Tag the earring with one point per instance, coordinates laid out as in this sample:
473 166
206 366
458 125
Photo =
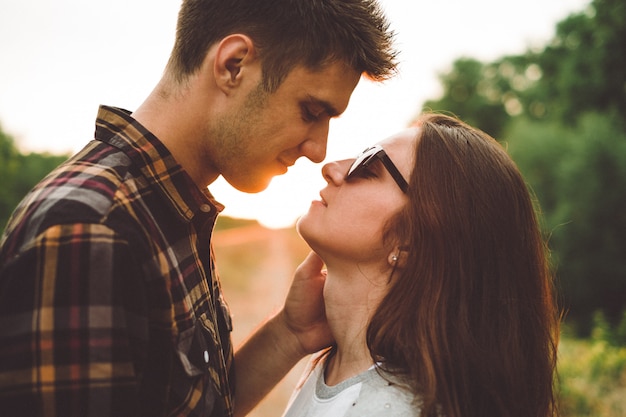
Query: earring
394 258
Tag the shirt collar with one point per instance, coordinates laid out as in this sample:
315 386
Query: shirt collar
118 128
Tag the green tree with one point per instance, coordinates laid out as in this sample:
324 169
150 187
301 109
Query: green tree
472 93
19 173
579 175
9 162
561 110
582 69
584 66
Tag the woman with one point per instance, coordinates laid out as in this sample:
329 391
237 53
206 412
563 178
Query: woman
438 289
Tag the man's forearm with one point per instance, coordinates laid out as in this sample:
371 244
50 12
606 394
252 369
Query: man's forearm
262 361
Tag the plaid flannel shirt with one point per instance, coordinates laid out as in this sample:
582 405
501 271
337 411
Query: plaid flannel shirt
109 300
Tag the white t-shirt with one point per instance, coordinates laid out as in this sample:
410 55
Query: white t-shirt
366 394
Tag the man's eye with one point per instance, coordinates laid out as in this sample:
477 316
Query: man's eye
309 116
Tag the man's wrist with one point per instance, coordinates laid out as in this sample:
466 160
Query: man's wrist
285 338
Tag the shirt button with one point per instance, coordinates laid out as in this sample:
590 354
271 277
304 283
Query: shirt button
206 356
205 208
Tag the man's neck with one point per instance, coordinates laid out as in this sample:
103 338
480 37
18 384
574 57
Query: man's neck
169 114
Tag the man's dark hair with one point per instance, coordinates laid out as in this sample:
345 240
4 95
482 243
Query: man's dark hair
288 33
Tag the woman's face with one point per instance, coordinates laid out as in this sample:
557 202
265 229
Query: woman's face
349 221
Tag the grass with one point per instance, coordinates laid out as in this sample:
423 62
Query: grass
592 373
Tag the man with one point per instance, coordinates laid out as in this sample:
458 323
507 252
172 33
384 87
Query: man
109 302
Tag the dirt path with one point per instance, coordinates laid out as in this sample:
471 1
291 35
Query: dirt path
256 266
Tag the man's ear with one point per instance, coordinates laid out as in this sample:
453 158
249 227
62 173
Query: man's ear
232 55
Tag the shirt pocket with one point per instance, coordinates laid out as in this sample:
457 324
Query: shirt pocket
194 349
199 366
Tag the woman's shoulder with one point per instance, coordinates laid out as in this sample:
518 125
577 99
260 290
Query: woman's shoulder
383 394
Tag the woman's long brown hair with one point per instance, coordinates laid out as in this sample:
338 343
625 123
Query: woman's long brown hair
471 319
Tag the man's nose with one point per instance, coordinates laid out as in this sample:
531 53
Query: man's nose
314 147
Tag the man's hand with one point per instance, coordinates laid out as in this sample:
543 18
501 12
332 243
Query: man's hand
304 313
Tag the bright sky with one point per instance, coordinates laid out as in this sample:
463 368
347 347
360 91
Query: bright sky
63 58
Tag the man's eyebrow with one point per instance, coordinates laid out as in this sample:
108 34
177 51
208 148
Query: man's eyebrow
329 109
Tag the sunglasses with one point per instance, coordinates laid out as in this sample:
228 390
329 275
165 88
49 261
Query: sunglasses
372 154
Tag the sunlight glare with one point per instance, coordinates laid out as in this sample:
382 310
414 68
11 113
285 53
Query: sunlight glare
281 204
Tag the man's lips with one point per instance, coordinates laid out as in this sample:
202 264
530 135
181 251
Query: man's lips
287 163
323 200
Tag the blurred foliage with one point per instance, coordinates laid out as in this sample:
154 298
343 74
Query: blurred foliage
579 176
19 173
592 373
227 223
560 111
474 94
582 69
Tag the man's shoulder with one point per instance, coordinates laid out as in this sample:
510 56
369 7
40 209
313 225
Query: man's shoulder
89 182
84 189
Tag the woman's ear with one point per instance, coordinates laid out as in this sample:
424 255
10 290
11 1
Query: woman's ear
398 257
234 53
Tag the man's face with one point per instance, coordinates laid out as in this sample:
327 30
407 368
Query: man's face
270 131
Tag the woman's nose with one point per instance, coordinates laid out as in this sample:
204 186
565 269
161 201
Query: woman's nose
335 172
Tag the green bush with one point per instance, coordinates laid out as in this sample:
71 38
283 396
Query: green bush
578 174
19 173
592 372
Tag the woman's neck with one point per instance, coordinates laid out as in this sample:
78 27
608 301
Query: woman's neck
344 364
351 299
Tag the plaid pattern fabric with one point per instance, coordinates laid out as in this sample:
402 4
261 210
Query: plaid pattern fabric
109 300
